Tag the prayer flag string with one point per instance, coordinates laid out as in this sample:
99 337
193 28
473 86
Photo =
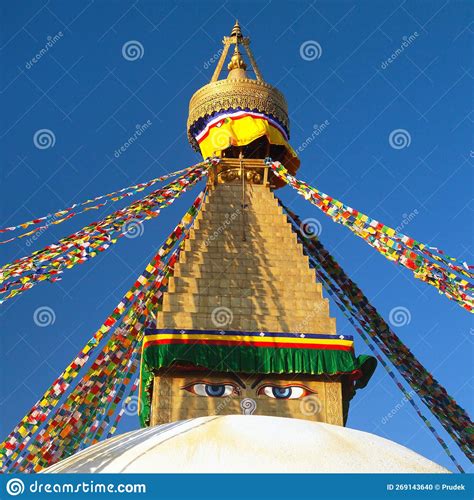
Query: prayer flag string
451 416
50 262
67 213
83 414
428 264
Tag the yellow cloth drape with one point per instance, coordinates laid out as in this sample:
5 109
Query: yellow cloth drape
240 132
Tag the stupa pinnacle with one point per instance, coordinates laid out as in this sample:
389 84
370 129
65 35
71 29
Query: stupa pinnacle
227 322
233 322
243 318
239 115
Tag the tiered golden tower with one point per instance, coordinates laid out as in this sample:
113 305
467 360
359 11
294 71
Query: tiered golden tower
244 327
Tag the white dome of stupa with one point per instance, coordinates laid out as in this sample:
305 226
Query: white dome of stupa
243 443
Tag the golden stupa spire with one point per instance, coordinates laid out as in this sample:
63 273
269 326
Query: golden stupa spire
238 89
237 67
236 30
237 64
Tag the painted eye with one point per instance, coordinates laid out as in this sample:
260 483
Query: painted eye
283 392
212 390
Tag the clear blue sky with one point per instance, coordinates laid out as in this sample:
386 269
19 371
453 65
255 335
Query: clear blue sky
92 98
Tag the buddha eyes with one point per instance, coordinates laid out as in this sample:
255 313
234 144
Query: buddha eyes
228 389
283 392
213 390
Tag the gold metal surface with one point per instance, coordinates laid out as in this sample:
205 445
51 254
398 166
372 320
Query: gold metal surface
237 61
237 90
172 402
230 169
264 282
239 93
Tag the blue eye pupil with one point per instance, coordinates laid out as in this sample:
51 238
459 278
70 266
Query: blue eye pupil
281 392
215 391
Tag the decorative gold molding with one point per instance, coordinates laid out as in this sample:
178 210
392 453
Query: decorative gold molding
334 403
230 170
237 91
231 94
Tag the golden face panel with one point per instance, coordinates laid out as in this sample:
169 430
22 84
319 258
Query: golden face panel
189 394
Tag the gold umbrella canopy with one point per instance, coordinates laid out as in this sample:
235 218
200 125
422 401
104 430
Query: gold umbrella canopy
240 111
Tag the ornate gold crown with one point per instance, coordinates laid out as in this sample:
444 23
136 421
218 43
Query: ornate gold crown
237 91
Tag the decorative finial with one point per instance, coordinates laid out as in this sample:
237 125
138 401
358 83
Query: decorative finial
236 90
237 61
236 30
